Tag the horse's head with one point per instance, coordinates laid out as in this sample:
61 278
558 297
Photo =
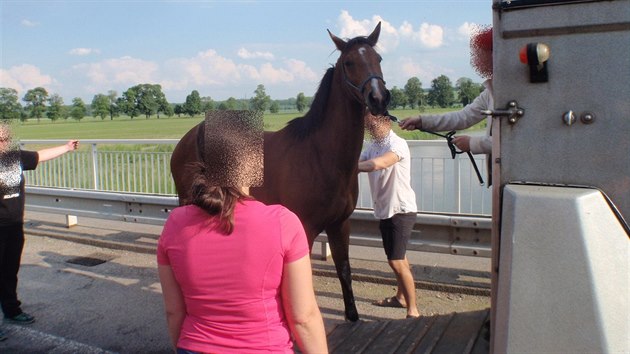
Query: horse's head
360 65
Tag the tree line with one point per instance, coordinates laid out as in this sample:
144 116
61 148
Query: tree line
148 100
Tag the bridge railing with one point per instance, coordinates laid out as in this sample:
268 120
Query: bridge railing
441 184
455 234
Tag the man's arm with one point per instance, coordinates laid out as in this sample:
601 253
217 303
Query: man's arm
379 163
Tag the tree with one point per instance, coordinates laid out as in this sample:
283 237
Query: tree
36 101
78 110
148 100
125 104
399 98
207 104
167 109
113 107
413 91
467 90
100 106
300 102
144 99
243 104
441 93
231 104
192 106
261 100
163 105
10 108
274 107
179 109
56 109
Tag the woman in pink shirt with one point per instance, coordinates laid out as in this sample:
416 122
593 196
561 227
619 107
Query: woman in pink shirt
235 273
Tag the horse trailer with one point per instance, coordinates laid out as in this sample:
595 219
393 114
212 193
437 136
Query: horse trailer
561 176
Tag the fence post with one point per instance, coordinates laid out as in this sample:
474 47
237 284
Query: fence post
458 183
95 166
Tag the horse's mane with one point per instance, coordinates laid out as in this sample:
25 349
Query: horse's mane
302 127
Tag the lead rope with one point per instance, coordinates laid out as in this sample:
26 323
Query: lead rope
449 140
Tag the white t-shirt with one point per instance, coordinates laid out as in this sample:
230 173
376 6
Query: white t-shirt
391 187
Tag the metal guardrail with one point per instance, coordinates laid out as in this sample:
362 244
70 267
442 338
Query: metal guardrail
441 184
439 233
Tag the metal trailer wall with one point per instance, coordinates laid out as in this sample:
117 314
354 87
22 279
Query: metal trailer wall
560 243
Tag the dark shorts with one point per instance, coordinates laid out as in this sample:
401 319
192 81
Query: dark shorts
395 232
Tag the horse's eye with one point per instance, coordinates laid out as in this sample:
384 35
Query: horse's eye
348 63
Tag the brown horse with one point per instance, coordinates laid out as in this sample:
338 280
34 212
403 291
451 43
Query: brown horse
311 164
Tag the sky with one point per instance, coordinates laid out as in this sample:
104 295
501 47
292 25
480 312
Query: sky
225 48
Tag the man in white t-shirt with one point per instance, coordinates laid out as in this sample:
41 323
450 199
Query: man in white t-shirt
388 162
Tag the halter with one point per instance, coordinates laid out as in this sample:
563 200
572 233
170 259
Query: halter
360 88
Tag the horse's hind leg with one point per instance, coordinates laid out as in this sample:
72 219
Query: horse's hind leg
339 240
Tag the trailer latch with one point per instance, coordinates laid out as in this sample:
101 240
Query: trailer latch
512 112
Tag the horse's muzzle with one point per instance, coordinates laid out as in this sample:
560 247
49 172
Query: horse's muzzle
378 99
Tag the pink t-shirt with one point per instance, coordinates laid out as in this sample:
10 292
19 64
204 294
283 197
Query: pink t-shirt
232 283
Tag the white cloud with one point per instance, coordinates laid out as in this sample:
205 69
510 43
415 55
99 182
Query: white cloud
246 54
350 28
466 29
117 73
300 70
83 51
406 29
209 69
429 36
28 23
24 77
269 74
398 72
292 71
206 68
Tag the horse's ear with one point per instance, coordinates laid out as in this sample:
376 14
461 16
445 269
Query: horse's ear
373 38
339 43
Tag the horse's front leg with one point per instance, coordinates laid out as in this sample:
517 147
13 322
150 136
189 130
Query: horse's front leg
339 240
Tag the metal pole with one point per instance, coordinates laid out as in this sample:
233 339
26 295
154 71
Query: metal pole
95 166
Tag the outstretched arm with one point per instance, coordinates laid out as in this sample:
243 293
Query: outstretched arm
379 163
411 123
51 153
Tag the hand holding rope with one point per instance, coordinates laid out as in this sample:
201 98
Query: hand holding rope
449 140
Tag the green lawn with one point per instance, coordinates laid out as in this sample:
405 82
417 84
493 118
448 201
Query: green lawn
163 128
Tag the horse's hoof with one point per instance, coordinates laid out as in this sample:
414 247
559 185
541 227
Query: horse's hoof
353 316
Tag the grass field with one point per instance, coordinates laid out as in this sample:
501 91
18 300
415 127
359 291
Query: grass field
163 128
137 168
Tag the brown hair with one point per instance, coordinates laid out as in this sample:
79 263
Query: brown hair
217 201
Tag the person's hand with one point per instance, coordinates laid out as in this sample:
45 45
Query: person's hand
411 123
462 142
72 145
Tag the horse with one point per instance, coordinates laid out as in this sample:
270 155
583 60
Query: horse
310 165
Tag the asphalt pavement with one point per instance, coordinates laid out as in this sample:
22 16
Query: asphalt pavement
93 288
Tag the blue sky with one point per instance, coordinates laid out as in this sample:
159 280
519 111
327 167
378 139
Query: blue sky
224 48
